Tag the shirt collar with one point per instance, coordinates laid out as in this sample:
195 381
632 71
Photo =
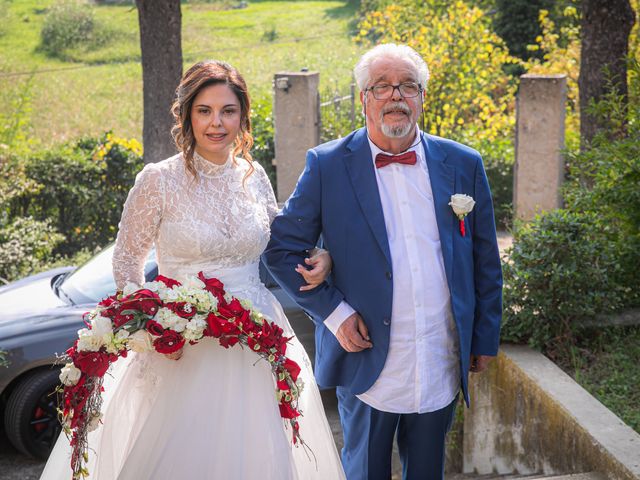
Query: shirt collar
416 146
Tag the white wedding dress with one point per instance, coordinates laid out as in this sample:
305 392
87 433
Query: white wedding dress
212 414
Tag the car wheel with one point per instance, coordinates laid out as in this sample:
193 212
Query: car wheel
31 417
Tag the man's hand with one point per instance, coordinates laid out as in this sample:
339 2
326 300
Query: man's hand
479 363
320 263
353 334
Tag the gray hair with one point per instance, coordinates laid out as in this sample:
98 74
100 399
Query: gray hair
361 70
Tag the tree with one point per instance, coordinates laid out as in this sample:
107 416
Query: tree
469 97
160 43
605 27
516 21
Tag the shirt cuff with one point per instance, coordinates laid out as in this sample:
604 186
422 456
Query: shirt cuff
339 315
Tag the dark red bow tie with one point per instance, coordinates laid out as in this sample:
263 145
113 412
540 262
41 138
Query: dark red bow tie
406 158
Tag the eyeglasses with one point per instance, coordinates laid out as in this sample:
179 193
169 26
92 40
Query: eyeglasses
385 91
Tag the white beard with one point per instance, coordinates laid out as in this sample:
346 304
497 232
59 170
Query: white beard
396 131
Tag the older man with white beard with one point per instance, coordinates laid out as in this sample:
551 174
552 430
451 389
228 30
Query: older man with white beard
415 296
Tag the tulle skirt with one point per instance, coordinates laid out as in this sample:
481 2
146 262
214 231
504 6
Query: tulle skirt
212 414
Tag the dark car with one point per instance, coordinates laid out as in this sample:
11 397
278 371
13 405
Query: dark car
39 319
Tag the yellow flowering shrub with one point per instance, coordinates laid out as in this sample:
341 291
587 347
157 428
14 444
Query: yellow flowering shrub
469 96
561 47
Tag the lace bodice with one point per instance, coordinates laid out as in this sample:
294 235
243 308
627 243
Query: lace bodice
210 222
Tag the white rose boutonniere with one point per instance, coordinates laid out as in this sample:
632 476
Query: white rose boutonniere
462 205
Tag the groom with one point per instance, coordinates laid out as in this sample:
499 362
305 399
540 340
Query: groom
414 300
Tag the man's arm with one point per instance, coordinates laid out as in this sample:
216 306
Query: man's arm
487 272
293 232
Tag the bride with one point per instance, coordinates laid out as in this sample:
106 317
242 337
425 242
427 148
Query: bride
205 412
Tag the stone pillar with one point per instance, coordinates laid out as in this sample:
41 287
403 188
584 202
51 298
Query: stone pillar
296 115
539 168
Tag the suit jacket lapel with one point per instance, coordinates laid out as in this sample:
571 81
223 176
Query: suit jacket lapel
442 177
361 171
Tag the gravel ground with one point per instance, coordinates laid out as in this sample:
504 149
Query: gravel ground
14 465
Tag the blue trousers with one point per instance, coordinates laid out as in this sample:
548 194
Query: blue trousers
368 440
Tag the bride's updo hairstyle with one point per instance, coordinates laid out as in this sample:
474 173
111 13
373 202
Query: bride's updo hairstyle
199 76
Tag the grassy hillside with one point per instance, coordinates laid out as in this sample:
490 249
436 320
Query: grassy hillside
90 90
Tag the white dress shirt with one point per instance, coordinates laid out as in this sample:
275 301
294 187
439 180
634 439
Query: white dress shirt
422 372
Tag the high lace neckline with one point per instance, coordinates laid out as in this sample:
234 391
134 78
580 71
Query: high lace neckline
209 169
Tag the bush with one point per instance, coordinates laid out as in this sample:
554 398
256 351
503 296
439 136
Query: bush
24 244
264 149
70 24
564 267
81 187
335 119
498 157
578 262
15 127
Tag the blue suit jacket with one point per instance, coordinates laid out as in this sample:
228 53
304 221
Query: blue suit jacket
337 197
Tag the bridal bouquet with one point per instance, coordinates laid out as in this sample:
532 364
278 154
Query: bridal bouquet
163 316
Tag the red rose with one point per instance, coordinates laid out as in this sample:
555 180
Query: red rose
144 301
213 285
271 336
293 368
214 326
228 340
71 351
119 319
283 385
169 342
154 328
178 309
287 411
94 364
231 309
253 344
107 302
169 282
248 325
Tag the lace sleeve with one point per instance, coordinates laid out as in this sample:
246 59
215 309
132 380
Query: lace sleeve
138 226
265 192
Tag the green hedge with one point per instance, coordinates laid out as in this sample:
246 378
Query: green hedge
61 201
572 264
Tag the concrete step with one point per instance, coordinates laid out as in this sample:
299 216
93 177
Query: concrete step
535 476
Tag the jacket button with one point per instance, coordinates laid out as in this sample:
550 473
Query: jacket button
387 321
388 275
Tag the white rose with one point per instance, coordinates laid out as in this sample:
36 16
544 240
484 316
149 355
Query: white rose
69 375
88 342
170 295
462 204
191 334
122 334
168 319
154 286
101 326
140 341
193 283
194 330
129 288
94 422
205 301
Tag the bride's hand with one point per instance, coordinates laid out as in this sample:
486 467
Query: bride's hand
175 355
320 263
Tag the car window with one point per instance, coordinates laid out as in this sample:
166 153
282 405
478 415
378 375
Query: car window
94 281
